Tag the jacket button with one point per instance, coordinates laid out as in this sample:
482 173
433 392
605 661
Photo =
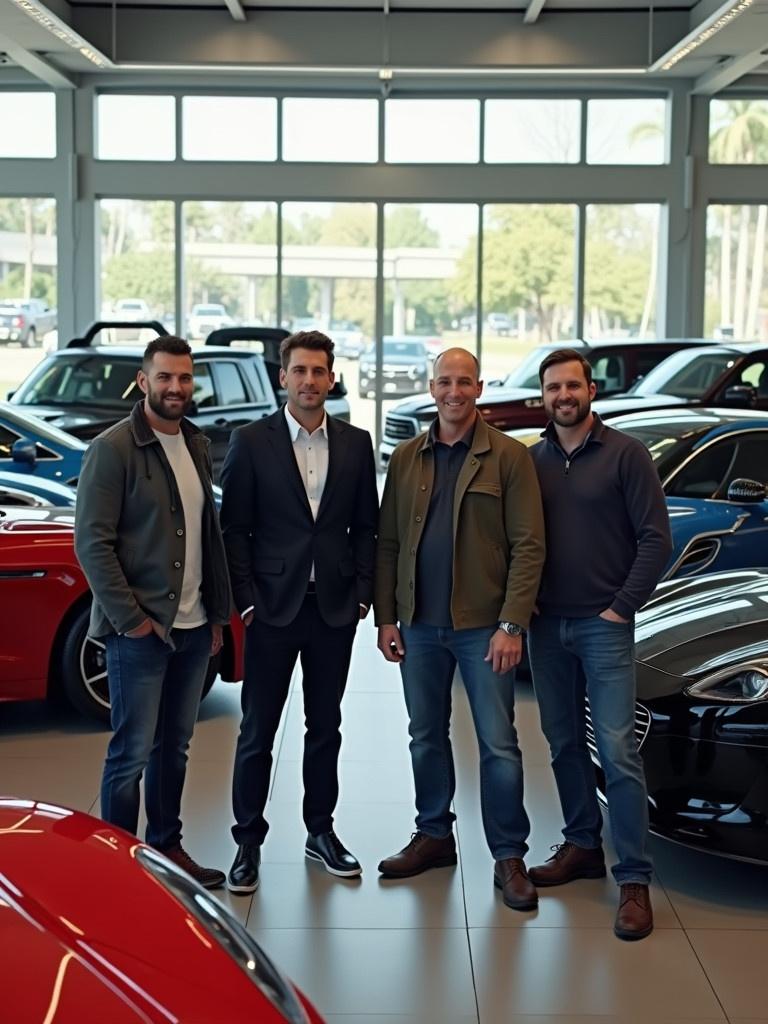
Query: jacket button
177 565
418 519
411 584
179 532
413 551
423 487
171 596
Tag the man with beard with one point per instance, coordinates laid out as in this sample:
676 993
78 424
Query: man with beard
148 539
608 541
299 516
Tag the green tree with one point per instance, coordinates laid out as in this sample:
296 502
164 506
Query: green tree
147 275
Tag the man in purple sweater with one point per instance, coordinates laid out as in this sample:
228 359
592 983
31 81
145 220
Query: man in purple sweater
608 541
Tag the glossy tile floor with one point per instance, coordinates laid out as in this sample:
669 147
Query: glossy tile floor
441 947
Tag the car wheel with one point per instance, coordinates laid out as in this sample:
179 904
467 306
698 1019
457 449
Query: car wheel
84 671
31 339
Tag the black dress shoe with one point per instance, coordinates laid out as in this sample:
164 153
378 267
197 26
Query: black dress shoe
243 876
330 851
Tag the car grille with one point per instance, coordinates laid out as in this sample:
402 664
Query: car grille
642 726
398 429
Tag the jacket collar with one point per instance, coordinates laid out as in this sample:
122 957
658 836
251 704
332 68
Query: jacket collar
480 442
144 434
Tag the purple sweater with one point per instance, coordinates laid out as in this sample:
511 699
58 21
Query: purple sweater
606 520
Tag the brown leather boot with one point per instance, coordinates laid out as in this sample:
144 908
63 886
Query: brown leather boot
569 862
422 853
517 890
634 918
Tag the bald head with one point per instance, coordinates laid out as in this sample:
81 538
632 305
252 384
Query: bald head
459 359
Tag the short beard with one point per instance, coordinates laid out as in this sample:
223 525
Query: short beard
583 412
156 405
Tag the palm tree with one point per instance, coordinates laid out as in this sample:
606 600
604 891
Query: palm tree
742 139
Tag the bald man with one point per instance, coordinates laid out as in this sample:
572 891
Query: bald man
459 558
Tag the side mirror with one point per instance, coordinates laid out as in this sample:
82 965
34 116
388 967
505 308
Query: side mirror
192 409
10 395
495 383
746 492
24 452
743 395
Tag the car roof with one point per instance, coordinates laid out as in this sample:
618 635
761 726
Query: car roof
137 351
698 417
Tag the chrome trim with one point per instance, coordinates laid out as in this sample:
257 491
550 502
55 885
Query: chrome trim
22 574
642 728
716 534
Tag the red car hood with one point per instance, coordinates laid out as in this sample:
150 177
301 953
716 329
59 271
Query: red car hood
84 924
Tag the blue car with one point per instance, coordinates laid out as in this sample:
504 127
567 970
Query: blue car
33 492
31 447
713 535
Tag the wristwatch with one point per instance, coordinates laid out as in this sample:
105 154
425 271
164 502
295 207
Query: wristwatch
511 628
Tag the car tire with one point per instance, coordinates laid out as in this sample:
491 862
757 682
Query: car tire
84 671
31 339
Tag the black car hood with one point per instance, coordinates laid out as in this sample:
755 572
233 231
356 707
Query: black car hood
65 417
694 626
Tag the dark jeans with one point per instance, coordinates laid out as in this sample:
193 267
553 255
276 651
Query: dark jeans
155 689
592 656
270 657
431 656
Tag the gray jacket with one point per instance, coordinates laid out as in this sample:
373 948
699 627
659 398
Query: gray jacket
129 529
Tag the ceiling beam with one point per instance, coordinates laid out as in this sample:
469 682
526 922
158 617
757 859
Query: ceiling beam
532 11
235 8
36 65
726 73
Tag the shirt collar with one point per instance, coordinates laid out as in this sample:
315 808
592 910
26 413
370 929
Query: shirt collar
595 434
295 427
466 438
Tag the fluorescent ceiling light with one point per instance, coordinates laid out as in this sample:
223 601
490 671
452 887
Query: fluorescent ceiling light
722 17
385 74
62 31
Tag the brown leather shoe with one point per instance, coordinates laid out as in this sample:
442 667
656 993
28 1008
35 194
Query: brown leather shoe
517 890
569 862
634 918
422 853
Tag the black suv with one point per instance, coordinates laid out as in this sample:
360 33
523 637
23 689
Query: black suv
405 367
515 401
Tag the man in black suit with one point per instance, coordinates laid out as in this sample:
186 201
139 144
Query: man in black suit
299 515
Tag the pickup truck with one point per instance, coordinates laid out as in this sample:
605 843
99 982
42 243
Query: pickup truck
85 387
25 321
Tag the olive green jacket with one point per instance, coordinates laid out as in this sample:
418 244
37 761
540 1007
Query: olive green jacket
498 532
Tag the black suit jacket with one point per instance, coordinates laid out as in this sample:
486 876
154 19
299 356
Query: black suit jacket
269 533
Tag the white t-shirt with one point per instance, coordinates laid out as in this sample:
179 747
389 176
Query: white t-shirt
191 612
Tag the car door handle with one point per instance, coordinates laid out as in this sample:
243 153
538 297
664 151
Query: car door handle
221 423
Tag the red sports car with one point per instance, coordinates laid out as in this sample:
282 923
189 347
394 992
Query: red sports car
96 926
44 608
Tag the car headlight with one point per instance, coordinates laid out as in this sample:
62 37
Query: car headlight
223 926
739 684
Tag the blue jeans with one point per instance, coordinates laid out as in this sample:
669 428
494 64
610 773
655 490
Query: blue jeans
592 656
155 689
431 656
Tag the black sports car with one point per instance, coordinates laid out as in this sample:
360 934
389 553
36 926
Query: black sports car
702 712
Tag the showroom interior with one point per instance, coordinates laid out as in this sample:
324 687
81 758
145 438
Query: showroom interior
493 174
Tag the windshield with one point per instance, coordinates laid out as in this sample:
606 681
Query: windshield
82 380
668 443
526 375
413 349
686 374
